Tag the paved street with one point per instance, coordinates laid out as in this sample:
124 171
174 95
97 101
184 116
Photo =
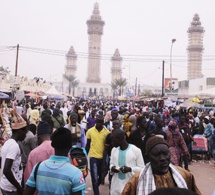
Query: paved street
204 173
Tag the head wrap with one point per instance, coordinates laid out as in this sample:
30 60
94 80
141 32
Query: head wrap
172 124
153 141
114 109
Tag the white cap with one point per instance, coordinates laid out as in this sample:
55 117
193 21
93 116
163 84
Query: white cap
207 117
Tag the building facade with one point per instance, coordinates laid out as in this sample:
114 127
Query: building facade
116 69
95 31
195 79
195 49
71 59
196 86
93 86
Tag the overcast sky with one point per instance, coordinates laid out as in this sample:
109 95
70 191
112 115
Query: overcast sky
142 30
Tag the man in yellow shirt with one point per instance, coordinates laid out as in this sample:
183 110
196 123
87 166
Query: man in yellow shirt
96 137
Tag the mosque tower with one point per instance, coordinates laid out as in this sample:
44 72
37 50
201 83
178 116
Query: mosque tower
95 30
116 70
71 59
195 48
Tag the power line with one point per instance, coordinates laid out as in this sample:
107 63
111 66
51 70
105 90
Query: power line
83 53
104 57
127 57
63 52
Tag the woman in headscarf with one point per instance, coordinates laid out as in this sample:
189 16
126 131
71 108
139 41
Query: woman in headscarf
127 124
177 145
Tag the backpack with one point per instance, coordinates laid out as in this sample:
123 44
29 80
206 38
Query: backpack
36 170
184 130
79 159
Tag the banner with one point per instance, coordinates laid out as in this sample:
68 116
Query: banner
171 88
14 81
20 95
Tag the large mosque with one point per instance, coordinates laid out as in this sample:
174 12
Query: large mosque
93 85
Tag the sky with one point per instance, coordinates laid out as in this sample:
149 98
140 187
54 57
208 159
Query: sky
142 30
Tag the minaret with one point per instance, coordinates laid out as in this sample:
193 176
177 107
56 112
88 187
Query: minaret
71 59
95 30
116 70
195 48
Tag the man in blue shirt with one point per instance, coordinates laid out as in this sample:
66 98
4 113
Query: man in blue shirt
57 175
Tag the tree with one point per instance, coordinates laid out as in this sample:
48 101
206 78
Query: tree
121 83
114 88
4 70
73 83
147 92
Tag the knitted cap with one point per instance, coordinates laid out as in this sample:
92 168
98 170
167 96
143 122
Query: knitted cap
43 128
18 122
73 114
207 117
153 141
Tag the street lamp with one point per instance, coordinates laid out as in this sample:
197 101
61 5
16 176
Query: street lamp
173 41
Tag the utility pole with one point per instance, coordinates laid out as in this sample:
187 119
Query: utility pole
138 92
15 84
173 41
17 57
135 92
129 73
163 78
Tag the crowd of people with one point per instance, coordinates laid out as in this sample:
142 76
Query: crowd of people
139 148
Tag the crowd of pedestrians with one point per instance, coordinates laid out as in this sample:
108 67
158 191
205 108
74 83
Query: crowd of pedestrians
139 147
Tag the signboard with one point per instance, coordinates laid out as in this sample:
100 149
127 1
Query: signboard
171 88
129 94
20 95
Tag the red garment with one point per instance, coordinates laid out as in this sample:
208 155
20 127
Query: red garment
177 146
40 153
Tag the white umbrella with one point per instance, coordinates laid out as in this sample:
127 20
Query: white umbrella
189 104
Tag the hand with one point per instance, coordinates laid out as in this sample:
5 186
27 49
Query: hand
104 168
125 169
115 169
20 190
188 156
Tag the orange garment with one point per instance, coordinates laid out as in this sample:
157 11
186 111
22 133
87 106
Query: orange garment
126 124
131 186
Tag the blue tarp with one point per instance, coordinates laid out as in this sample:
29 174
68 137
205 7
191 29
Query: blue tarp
55 97
4 96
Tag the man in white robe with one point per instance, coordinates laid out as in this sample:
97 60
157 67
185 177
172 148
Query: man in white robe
126 160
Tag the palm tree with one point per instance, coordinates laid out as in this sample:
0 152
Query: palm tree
147 92
4 70
121 82
73 83
114 88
